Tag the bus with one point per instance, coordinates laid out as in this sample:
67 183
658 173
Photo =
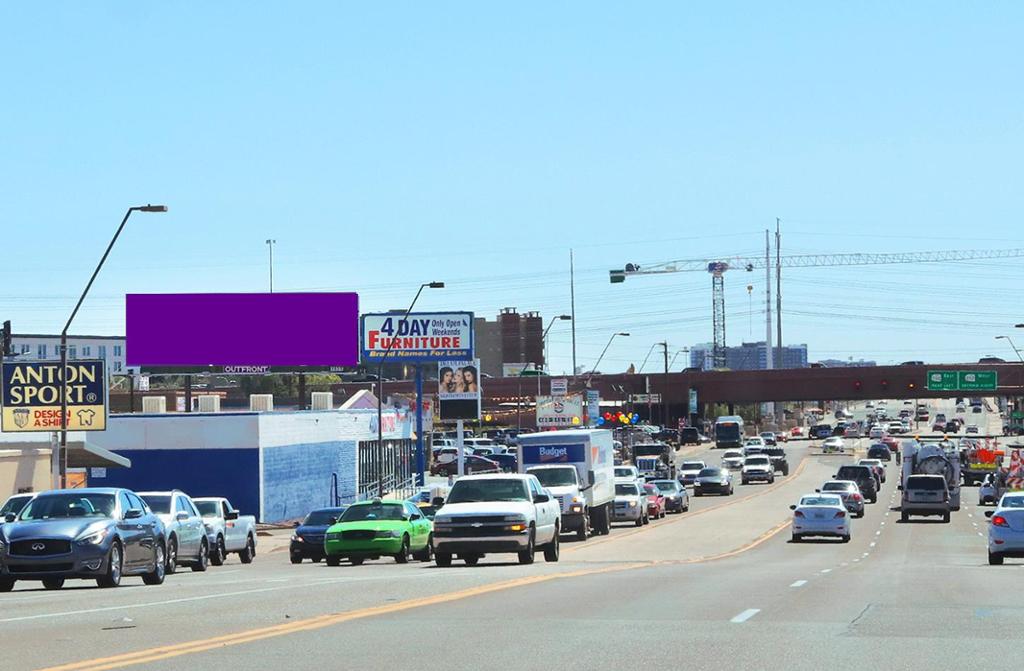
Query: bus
729 431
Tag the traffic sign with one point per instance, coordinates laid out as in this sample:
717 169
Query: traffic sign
962 380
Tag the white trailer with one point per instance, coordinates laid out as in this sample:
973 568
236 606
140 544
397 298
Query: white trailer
578 468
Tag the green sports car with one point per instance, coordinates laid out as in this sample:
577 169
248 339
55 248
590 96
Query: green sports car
375 529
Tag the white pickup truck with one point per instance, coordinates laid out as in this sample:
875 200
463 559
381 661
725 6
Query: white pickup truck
226 530
495 513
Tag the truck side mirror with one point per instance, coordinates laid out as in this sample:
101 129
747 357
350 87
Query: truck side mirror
437 501
231 515
989 513
793 507
296 524
590 478
899 487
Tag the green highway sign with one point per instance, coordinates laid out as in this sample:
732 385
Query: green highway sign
962 380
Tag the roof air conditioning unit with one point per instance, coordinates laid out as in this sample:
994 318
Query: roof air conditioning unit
323 400
261 402
209 403
154 405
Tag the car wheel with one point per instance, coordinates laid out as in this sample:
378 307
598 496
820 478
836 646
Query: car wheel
115 563
249 553
219 553
647 519
797 538
357 561
640 521
551 550
697 493
442 559
53 583
860 514
526 554
945 518
995 559
333 560
6 584
904 516
156 577
427 553
296 559
846 538
203 561
471 560
172 555
403 553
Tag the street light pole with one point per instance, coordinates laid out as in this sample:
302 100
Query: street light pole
536 369
270 244
594 369
62 453
1009 340
544 340
380 389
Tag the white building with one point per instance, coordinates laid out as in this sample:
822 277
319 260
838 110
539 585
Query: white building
41 347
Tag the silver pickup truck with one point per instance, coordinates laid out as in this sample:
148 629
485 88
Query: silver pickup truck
226 530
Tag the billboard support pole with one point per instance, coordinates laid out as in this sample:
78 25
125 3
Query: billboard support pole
460 446
420 461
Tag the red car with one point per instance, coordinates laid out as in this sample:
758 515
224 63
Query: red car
797 431
892 443
655 501
474 464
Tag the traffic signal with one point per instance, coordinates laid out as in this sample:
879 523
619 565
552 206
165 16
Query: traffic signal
911 386
857 384
885 384
5 339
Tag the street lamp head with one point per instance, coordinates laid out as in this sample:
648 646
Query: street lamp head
565 318
1019 326
1001 338
151 208
622 334
436 285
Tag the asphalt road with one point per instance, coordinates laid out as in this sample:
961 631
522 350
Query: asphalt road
721 586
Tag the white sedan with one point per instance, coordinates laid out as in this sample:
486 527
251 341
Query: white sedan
732 459
1006 529
833 444
820 515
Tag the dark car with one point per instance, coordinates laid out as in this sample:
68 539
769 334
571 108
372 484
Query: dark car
676 498
952 426
689 435
507 462
93 533
14 505
821 431
839 429
864 476
474 464
308 538
880 451
713 481
779 461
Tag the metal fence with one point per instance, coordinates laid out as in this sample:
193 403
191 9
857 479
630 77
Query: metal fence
397 469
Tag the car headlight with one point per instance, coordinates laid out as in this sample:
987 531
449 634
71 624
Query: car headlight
632 504
391 533
335 536
696 483
298 539
448 520
507 518
94 538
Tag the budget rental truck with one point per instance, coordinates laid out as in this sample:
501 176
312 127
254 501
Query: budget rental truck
578 468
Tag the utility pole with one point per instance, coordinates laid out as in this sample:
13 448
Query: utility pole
778 290
768 301
664 391
572 307
270 244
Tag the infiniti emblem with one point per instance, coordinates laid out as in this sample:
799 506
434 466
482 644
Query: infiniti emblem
38 546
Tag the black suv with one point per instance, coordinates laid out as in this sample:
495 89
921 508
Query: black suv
863 476
880 451
688 435
778 457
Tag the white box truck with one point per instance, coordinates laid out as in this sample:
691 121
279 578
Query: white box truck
578 468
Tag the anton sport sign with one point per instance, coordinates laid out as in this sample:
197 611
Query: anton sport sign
31 395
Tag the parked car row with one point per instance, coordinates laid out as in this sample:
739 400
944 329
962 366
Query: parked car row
106 534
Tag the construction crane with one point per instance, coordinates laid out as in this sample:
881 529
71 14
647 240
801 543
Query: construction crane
718 268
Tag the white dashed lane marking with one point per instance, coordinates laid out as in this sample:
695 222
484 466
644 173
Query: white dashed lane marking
799 583
745 615
826 570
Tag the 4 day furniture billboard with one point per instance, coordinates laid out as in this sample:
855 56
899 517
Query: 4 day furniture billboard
422 337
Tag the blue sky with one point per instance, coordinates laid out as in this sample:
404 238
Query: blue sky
385 146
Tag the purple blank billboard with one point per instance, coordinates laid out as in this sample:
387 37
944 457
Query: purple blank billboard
283 329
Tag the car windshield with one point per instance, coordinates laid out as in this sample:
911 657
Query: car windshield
835 487
757 461
623 489
374 511
320 518
206 508
666 486
853 472
709 473
555 477
492 489
819 501
692 465
623 472
161 505
53 506
1012 502
732 455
